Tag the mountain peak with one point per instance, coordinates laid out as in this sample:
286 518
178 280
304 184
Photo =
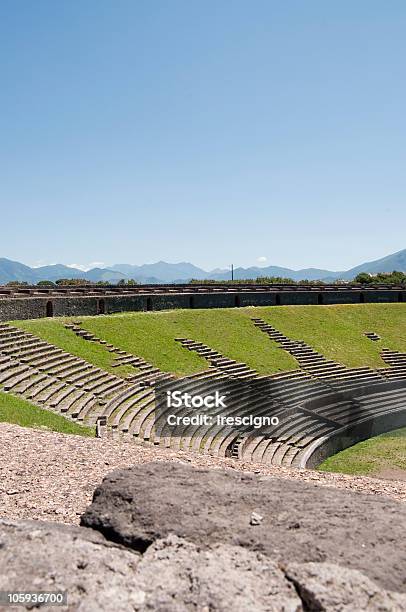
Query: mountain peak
164 272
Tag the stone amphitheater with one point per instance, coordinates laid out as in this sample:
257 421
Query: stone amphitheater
160 534
323 406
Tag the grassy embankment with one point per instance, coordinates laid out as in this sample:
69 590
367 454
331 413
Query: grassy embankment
383 455
338 331
152 336
53 331
20 412
335 331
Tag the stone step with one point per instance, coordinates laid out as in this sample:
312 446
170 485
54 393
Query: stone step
45 391
98 380
40 388
65 391
82 375
107 388
15 380
68 365
31 383
9 373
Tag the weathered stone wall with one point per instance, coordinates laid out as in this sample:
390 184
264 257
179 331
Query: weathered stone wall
343 438
124 303
22 308
71 307
35 307
38 307
341 297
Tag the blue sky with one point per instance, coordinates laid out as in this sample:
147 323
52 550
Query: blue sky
203 131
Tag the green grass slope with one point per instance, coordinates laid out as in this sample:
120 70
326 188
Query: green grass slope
377 456
20 412
53 331
152 336
335 331
338 331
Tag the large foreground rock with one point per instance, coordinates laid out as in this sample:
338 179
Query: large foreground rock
323 586
39 556
300 522
179 576
174 575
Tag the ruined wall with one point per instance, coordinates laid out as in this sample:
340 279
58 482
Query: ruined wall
22 308
30 307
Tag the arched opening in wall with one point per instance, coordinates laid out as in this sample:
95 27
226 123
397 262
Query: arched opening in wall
237 300
101 306
232 448
400 297
320 298
50 309
149 304
278 299
362 298
192 301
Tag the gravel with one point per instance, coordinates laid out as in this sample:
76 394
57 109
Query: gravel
51 476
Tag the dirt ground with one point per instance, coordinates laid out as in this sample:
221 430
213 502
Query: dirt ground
392 474
52 476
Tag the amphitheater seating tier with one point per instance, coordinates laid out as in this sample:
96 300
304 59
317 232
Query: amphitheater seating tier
318 400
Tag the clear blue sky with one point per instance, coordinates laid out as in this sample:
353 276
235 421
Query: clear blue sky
206 131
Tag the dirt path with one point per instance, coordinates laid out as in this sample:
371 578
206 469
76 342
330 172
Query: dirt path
51 476
392 474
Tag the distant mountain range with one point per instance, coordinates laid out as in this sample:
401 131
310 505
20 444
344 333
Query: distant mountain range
162 272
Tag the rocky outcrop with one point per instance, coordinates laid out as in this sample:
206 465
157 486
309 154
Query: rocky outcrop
171 538
323 586
174 575
300 521
178 575
39 556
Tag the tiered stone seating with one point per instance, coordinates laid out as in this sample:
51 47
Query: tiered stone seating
120 404
288 398
192 438
156 428
375 411
147 374
287 445
315 403
316 364
372 336
397 361
67 384
132 412
48 376
230 367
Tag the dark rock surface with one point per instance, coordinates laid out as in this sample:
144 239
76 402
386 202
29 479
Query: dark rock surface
39 556
301 522
323 586
177 575
174 575
171 538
